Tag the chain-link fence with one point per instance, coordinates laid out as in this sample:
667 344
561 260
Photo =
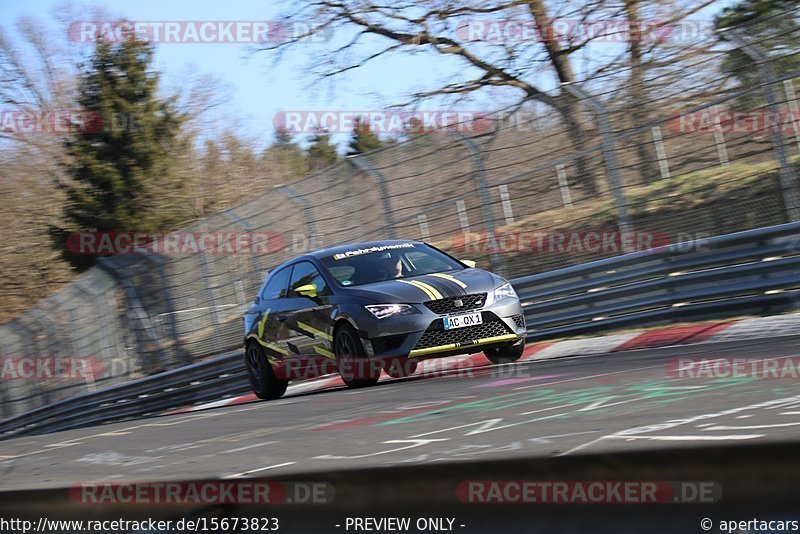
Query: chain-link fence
705 142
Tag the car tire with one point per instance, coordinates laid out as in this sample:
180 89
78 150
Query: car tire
262 378
505 354
355 368
400 367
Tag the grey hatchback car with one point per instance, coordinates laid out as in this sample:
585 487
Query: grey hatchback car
365 308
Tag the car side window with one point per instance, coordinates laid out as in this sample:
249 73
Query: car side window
276 285
304 273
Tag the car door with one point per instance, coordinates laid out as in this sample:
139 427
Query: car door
272 309
310 316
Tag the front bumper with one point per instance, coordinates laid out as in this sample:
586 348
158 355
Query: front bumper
423 335
459 345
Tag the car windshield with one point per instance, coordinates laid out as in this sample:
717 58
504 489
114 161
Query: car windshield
367 265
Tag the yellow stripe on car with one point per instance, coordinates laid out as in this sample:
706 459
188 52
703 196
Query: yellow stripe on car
450 278
317 333
274 347
421 288
262 323
453 346
436 294
429 290
323 352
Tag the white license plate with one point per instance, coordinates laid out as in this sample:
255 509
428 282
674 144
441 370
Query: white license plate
460 321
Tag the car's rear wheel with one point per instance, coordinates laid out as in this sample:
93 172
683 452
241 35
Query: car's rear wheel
400 367
505 354
355 367
263 381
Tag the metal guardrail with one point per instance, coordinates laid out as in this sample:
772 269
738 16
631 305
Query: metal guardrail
757 271
201 382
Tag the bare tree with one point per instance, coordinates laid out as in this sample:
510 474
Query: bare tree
524 67
432 26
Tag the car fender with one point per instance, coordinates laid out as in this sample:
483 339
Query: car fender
346 312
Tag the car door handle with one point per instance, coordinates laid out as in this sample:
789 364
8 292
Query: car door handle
282 318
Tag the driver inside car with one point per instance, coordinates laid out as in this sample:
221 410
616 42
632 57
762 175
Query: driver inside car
391 267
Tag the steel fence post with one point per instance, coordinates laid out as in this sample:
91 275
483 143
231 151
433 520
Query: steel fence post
159 262
5 400
229 213
135 310
38 395
363 164
74 335
479 173
791 197
308 213
5 396
105 313
791 101
609 155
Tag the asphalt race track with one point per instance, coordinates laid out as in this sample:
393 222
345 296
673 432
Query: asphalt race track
567 406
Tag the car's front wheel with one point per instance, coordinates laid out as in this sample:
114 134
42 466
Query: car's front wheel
355 368
262 378
505 354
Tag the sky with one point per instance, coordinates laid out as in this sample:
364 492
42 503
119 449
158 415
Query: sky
257 88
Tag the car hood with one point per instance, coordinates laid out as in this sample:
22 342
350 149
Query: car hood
417 289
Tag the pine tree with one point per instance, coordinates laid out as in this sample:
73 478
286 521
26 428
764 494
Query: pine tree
321 153
286 154
121 165
363 139
772 25
283 139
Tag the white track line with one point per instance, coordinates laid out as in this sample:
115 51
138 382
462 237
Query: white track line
244 474
632 432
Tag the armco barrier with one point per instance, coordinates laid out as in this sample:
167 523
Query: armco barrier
757 271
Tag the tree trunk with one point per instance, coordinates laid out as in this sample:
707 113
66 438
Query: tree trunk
571 108
571 113
638 116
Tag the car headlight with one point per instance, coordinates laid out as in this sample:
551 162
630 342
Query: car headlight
382 311
499 293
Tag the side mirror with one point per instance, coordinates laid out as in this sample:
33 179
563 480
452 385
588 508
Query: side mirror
258 300
308 290
469 263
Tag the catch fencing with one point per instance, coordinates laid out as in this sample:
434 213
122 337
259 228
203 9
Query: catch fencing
756 271
695 148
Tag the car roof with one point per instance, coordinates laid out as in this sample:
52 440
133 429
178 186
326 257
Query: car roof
325 252
330 251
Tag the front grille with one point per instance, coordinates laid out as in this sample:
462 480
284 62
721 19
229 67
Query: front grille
434 338
448 305
387 343
519 320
